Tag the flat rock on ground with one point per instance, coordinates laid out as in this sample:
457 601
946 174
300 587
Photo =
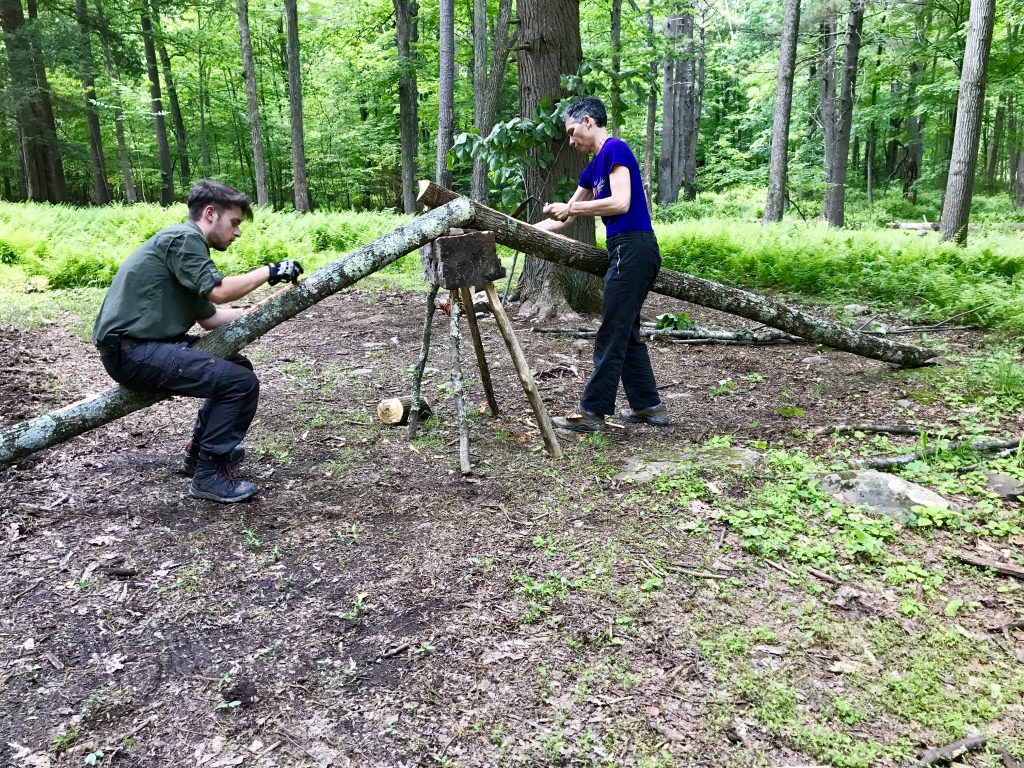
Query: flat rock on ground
887 493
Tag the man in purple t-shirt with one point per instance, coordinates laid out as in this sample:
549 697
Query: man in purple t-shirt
611 187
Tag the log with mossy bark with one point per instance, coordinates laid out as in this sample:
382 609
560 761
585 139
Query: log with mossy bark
55 427
586 258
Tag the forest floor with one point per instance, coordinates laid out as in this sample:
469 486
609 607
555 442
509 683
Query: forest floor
373 608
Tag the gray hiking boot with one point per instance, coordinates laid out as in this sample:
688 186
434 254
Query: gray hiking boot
190 457
215 480
656 415
580 421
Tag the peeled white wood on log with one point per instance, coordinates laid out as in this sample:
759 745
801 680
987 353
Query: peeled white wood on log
396 410
57 426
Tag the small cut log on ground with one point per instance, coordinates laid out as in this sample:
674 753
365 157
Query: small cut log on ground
395 411
586 258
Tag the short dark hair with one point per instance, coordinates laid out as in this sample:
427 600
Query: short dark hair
587 106
209 192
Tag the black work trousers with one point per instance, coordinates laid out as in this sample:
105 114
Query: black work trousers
619 352
229 385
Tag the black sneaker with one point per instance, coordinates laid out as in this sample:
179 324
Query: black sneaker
656 415
580 421
190 458
214 480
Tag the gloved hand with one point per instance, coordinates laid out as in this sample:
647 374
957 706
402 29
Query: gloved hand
284 270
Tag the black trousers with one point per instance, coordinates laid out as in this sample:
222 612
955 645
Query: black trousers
229 385
619 352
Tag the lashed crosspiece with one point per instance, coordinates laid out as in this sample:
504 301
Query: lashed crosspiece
57 426
679 285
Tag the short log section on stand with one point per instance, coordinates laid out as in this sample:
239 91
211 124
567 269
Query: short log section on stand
396 411
458 262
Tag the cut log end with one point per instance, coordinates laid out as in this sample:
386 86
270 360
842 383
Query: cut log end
394 411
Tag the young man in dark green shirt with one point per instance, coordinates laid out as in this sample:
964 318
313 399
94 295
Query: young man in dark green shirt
166 286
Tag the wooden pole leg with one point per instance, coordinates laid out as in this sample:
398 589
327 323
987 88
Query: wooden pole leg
478 347
417 375
523 370
457 391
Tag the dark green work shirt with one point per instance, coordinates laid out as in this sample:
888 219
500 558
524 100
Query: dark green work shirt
159 291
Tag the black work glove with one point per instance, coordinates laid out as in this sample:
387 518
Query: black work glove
284 270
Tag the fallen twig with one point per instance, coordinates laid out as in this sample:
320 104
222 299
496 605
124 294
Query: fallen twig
950 752
1006 569
784 569
822 575
883 429
983 447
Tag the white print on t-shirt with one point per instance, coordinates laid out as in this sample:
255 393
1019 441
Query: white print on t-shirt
599 188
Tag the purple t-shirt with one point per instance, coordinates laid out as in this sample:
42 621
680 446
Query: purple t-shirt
595 177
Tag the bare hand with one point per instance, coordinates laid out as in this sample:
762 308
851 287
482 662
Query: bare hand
557 211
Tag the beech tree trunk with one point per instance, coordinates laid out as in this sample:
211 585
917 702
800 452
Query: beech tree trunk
589 258
87 73
124 160
408 119
252 104
55 427
156 100
775 203
445 92
956 206
837 119
549 47
300 182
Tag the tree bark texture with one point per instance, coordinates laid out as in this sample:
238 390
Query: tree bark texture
42 85
177 123
300 182
124 160
549 47
837 118
956 205
35 144
992 155
157 105
588 258
52 428
614 86
692 110
445 92
87 74
775 201
408 118
487 85
252 104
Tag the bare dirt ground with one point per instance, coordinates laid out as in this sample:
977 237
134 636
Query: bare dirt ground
371 607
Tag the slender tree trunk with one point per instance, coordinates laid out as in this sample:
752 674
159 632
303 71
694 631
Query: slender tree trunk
652 106
694 105
252 103
616 89
300 183
550 47
124 160
673 95
776 200
488 86
177 123
993 154
478 189
408 118
445 92
156 100
97 162
837 151
204 142
959 187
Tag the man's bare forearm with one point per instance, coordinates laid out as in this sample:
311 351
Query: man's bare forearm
235 287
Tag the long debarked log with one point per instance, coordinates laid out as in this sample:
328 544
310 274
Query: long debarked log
57 426
586 258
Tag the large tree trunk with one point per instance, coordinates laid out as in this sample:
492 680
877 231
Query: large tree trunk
300 183
122 145
408 119
693 106
487 85
445 92
252 104
36 142
549 36
837 135
97 162
589 258
775 203
52 428
55 169
162 146
956 206
678 68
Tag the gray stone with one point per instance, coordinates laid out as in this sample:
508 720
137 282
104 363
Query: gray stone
640 469
891 495
814 360
857 309
904 403
1005 486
